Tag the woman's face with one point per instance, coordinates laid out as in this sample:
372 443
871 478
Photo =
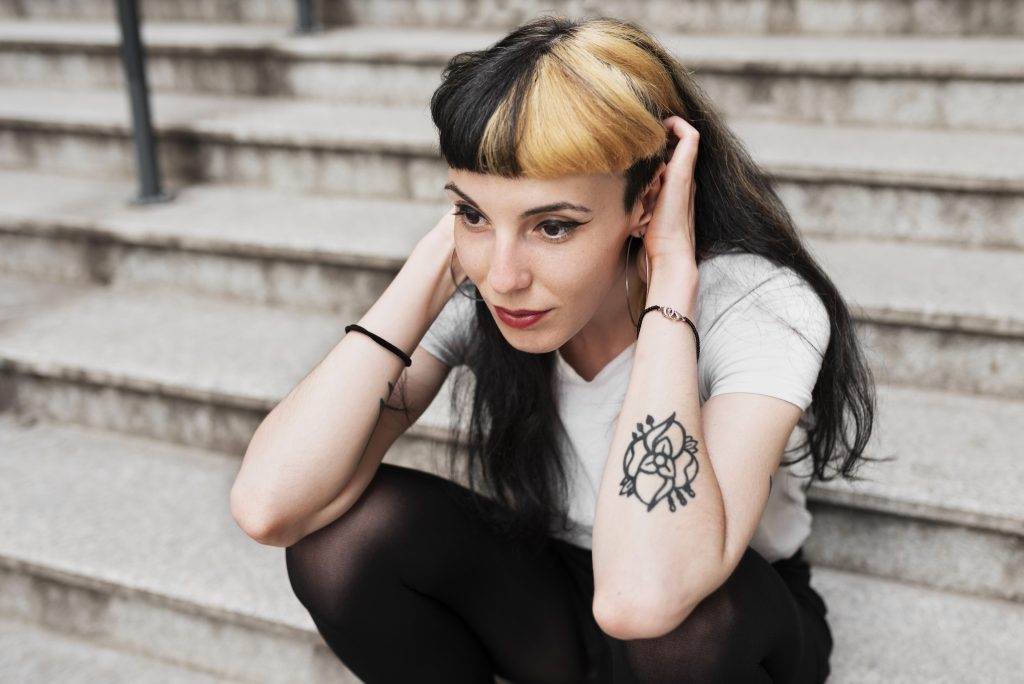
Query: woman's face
524 251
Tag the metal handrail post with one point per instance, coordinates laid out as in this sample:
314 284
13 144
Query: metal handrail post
133 58
304 19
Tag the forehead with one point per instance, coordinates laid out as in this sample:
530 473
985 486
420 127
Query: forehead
597 191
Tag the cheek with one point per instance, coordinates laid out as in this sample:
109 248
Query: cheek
583 277
471 253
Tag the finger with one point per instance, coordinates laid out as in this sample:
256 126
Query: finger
684 151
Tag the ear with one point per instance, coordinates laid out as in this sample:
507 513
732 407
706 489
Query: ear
645 208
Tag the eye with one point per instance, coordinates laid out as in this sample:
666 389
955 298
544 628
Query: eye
466 211
471 218
559 225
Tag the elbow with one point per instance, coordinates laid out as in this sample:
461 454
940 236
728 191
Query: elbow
257 522
637 618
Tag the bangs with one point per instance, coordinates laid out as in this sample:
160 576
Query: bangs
555 98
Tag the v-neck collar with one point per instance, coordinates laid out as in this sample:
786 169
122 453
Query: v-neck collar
570 374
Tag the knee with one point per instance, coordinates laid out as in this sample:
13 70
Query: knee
323 566
714 643
697 650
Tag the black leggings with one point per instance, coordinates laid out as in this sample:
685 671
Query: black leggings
406 587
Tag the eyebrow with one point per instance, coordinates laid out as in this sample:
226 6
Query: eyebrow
554 206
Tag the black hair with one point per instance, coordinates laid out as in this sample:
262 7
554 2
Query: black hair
485 111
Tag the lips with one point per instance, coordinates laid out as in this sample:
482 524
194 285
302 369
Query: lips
520 312
516 319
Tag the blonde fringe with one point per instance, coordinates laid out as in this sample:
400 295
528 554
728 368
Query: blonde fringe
593 104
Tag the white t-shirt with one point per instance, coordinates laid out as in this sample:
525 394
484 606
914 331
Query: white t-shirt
746 312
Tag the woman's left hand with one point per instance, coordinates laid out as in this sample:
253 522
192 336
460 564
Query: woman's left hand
670 235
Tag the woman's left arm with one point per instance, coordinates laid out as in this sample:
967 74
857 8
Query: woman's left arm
683 487
656 557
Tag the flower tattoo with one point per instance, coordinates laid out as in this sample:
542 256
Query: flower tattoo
655 466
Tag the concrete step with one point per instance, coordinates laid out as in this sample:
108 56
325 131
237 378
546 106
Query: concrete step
30 654
886 81
947 511
915 17
925 324
145 569
144 556
953 186
222 11
217 368
920 323
113 359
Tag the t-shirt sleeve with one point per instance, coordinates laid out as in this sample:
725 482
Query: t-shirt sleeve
448 336
769 339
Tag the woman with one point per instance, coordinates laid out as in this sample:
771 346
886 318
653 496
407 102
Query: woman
635 523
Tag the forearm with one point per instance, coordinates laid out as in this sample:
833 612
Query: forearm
308 447
650 561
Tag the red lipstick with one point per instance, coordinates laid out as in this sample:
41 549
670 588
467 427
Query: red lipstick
519 318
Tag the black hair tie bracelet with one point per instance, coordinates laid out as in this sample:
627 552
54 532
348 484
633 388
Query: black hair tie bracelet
381 341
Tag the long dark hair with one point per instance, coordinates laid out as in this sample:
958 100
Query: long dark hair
561 96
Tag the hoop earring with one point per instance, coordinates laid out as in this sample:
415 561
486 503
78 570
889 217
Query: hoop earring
629 305
451 272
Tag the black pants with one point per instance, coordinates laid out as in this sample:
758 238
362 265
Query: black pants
407 587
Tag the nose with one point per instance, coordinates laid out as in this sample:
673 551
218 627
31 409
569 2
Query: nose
509 271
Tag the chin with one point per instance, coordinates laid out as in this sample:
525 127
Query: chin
529 344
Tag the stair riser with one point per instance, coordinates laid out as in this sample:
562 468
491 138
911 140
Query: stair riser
947 102
960 362
163 413
900 354
231 72
824 204
185 634
945 556
341 289
887 212
924 17
188 158
228 11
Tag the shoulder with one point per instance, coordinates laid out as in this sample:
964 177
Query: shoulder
737 273
447 338
741 284
763 327
457 312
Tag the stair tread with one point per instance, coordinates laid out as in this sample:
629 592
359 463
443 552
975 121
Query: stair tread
29 653
953 159
209 349
894 282
112 527
937 285
957 459
247 220
137 514
214 349
934 56
886 631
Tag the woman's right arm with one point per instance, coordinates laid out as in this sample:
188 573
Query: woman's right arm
309 446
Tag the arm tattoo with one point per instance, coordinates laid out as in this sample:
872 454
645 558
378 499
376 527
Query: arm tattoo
660 461
403 407
382 404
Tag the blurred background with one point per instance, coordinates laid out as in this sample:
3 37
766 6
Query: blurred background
172 262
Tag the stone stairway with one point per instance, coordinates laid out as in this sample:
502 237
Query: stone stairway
306 170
